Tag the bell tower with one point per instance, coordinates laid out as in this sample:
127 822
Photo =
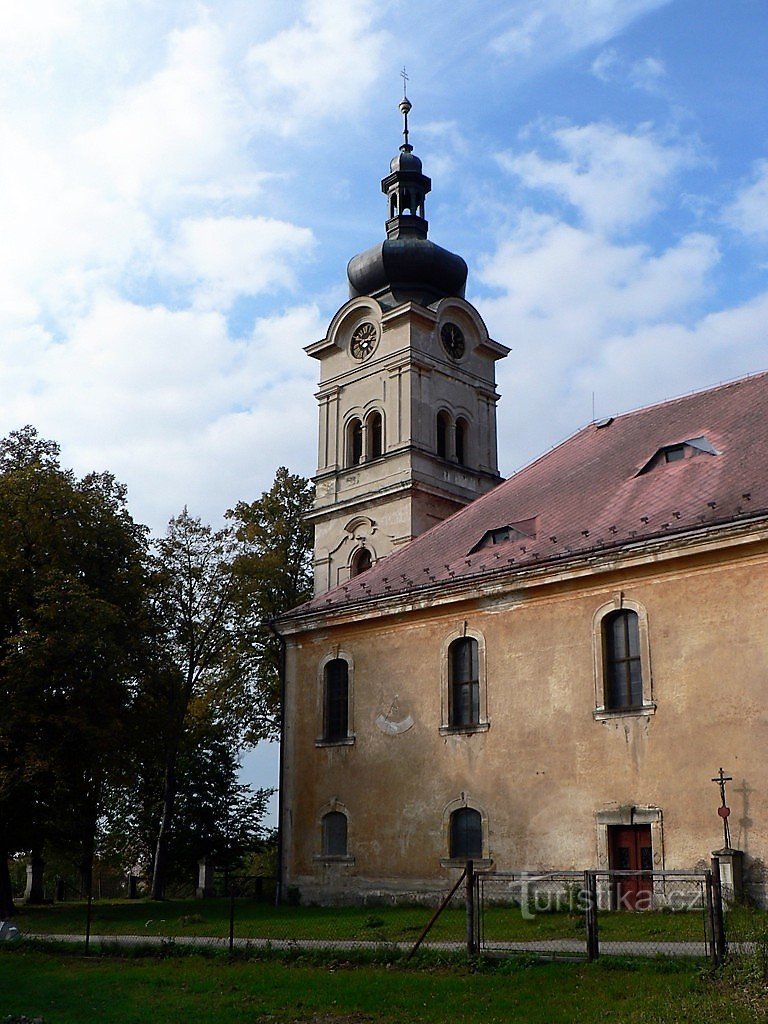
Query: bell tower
407 396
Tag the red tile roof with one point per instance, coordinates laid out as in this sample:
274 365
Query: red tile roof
586 495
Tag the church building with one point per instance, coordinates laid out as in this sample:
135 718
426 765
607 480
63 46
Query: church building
539 673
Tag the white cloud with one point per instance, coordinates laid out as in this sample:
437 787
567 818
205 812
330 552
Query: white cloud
559 281
323 67
605 64
748 212
646 74
185 123
666 359
613 178
31 28
222 258
554 28
169 401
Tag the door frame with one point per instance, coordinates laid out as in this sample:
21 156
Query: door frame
630 814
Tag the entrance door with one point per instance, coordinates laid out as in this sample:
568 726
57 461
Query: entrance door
631 851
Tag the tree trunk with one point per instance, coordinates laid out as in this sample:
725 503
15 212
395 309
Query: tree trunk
163 835
7 907
87 855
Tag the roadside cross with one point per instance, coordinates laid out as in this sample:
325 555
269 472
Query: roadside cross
724 810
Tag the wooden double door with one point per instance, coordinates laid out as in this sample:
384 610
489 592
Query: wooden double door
631 850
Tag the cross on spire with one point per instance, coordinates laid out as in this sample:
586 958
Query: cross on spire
405 107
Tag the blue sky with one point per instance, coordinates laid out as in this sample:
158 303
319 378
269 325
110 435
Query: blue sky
183 184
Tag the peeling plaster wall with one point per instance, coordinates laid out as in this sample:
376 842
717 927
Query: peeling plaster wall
546 775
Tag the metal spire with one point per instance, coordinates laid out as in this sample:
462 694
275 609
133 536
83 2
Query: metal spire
405 108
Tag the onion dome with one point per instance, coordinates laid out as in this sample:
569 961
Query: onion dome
406 265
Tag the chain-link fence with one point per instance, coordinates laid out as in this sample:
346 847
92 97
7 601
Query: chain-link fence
541 912
249 919
601 913
568 914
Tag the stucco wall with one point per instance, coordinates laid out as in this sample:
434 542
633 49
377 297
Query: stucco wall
545 767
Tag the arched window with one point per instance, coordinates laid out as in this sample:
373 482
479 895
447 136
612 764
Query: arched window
622 666
336 700
463 683
375 435
443 427
354 442
361 562
462 430
466 839
334 834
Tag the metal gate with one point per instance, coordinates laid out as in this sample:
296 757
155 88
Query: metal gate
586 914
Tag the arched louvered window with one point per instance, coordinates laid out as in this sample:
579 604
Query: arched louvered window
463 683
462 432
375 435
354 442
443 428
361 562
466 842
335 834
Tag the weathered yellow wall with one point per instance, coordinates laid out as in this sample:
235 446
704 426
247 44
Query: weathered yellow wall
545 767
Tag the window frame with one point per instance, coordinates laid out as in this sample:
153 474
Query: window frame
456 840
463 683
328 839
447 725
333 806
603 710
374 435
443 424
348 738
354 447
461 441
465 802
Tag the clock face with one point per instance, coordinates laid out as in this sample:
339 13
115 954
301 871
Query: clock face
364 339
453 340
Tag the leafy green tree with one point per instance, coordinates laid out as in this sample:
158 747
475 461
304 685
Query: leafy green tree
216 658
215 814
71 602
274 567
195 669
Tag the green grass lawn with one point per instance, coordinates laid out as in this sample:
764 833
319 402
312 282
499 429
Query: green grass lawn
71 990
396 924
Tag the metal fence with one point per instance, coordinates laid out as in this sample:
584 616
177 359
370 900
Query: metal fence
571 914
565 914
248 920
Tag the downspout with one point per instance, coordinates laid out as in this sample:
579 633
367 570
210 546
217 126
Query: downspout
280 832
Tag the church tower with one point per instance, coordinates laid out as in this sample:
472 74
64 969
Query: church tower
407 398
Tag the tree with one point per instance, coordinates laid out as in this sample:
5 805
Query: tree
215 814
71 595
274 566
196 669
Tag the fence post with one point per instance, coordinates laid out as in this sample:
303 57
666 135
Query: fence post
590 892
471 944
231 920
711 928
719 921
88 919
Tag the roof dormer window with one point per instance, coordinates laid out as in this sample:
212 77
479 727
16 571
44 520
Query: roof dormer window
679 451
523 530
674 453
